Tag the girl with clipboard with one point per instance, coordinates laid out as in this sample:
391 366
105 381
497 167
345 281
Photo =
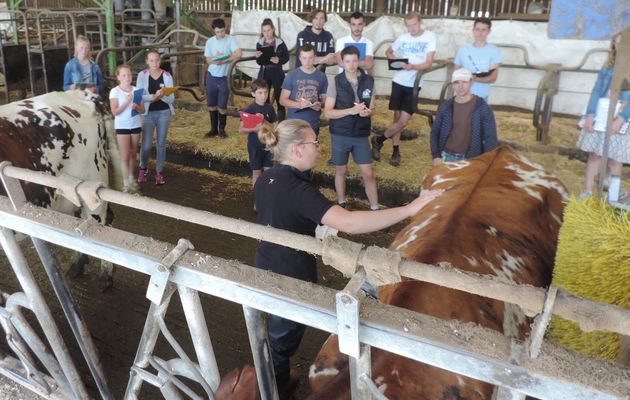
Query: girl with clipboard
128 123
158 97
271 54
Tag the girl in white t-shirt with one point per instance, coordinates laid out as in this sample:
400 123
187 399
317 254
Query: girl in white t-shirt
128 126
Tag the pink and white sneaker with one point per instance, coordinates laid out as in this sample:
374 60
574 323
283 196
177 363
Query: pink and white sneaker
159 179
142 176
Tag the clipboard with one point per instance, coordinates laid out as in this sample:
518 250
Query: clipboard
167 91
137 99
362 47
221 57
483 74
250 120
267 53
397 64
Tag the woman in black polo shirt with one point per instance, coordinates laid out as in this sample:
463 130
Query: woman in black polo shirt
286 198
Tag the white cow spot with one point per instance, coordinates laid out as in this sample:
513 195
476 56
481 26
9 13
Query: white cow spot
411 234
555 217
439 179
537 179
457 165
312 373
396 375
379 380
461 381
472 261
508 266
492 230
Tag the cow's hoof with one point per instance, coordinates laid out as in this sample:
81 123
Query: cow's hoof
105 283
76 270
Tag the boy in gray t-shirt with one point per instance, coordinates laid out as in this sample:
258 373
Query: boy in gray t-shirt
304 90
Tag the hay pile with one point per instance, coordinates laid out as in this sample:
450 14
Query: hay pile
592 261
188 129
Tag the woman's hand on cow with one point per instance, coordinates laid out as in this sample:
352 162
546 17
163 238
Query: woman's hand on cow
437 161
422 200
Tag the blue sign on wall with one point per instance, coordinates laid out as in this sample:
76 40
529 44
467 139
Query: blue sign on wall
588 19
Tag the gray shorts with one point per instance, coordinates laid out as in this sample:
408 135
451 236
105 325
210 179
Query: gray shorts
342 146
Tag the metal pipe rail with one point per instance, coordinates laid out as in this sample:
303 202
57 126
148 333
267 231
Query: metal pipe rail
483 354
14 15
530 299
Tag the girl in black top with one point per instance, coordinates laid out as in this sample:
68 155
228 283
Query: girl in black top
287 199
271 67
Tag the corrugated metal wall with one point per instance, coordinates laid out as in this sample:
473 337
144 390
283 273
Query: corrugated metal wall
427 8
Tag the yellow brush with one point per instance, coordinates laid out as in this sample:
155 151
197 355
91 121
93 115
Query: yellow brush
592 261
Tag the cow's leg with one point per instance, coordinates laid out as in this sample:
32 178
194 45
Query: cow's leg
106 275
78 266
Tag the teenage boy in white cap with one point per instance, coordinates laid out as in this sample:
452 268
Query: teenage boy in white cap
464 126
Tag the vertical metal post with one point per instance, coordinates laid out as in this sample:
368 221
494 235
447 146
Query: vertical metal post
256 322
200 336
78 326
348 331
111 38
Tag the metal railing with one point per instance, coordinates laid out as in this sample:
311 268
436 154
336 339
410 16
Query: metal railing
484 355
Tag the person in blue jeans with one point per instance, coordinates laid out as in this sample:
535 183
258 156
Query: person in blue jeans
81 72
158 113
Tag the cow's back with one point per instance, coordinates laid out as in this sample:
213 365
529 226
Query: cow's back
58 132
500 215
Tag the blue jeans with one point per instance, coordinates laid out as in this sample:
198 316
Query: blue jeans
451 157
159 121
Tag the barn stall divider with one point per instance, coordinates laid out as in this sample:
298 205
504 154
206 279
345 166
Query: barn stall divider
546 371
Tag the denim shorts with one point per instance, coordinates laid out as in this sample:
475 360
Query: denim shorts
342 146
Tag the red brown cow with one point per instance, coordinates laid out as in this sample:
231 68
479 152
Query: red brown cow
60 133
500 215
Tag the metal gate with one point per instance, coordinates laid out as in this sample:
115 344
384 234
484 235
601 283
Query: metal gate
483 354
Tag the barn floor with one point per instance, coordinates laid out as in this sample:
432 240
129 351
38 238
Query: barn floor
115 318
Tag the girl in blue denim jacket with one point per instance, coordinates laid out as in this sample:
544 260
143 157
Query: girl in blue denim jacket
81 72
593 132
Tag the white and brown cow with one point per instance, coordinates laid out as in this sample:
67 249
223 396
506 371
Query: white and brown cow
68 133
500 215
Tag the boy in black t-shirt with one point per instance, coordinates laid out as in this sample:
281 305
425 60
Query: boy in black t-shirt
259 157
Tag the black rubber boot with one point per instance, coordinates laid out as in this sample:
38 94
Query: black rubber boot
214 122
377 145
222 123
395 160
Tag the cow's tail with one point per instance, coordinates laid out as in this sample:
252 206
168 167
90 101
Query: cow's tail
116 173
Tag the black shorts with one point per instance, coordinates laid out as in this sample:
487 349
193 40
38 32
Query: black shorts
401 99
128 131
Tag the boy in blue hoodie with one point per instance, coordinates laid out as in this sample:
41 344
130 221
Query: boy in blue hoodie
259 157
